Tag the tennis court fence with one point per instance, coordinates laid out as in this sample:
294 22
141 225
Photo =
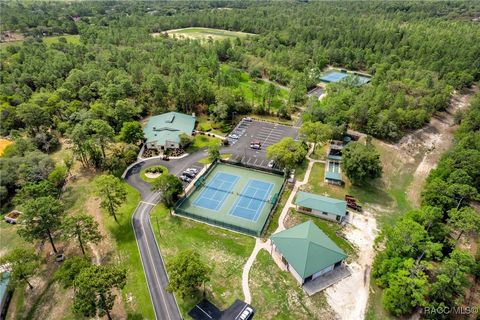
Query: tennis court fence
275 201
221 224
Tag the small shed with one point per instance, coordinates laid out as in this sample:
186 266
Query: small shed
321 206
307 251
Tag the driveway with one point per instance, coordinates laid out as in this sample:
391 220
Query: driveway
163 301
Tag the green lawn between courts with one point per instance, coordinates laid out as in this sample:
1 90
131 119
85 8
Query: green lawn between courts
225 251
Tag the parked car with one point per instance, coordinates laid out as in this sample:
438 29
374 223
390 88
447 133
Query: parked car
255 144
185 178
246 314
271 163
291 177
12 217
234 136
59 257
248 119
189 174
193 170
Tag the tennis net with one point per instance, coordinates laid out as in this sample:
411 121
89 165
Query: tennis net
254 198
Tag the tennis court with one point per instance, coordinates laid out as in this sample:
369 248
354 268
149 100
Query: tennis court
336 76
215 193
250 202
233 197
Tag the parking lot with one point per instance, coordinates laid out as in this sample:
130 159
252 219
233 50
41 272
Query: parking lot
266 133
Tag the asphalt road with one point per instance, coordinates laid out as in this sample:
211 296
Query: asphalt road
164 303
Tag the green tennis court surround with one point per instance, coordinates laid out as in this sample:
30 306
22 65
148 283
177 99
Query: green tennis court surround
233 197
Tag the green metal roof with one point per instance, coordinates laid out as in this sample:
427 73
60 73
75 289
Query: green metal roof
333 176
168 126
334 157
321 203
307 249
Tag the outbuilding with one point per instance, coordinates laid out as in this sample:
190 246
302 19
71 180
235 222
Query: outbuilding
321 206
307 252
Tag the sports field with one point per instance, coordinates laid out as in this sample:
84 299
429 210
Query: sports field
336 76
204 34
233 197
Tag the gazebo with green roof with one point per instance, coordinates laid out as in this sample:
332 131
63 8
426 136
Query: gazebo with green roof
307 252
163 131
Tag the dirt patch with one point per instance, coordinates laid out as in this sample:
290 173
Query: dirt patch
103 248
348 298
435 139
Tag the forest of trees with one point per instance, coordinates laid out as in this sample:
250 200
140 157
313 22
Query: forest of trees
89 95
425 263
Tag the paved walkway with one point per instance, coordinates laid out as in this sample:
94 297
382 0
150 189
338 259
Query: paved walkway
259 244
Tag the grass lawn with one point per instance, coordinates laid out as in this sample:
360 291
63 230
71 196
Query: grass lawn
207 125
278 210
203 141
128 255
125 247
372 192
332 230
253 89
74 39
300 170
150 180
207 160
205 33
277 295
225 251
9 238
320 152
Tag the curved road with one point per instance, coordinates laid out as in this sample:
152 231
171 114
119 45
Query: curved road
164 303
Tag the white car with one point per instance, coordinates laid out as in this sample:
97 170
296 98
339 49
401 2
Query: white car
271 163
192 170
248 119
234 136
246 314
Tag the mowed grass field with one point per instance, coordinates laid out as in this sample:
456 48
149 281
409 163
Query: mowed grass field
74 39
204 34
225 251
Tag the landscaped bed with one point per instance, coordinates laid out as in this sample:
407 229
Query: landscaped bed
151 173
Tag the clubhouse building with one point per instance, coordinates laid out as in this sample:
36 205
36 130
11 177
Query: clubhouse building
163 132
306 252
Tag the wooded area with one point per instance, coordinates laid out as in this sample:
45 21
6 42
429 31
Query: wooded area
90 96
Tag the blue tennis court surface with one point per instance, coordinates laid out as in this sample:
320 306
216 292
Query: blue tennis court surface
336 76
214 194
250 202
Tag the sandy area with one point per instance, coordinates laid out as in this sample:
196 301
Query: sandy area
152 175
349 297
432 141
